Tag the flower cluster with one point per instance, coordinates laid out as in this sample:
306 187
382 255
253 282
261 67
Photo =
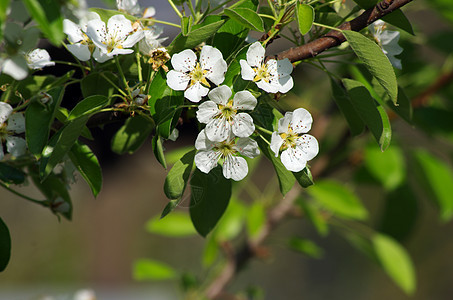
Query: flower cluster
226 137
388 41
11 124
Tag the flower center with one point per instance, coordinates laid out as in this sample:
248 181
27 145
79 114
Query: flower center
198 75
289 139
227 110
225 148
262 73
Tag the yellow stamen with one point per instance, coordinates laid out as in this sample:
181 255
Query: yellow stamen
198 75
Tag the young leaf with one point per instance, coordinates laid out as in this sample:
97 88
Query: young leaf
210 194
231 223
186 23
47 14
256 219
343 102
246 17
9 174
176 180
5 245
388 167
437 178
146 269
286 178
375 61
88 106
396 262
371 113
38 120
315 215
304 177
88 165
305 15
158 150
177 224
306 246
131 136
338 199
97 84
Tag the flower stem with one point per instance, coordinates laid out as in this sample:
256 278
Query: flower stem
264 139
326 26
40 202
139 65
165 23
262 129
150 79
72 64
113 84
175 8
120 70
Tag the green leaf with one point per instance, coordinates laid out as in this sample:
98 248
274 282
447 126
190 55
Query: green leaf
88 165
306 246
5 245
256 219
396 262
177 224
131 136
315 215
198 35
64 139
158 150
375 61
47 14
4 4
305 15
286 178
97 84
106 14
177 178
304 177
338 199
343 102
39 119
231 223
146 269
437 178
371 113
246 17
388 167
10 174
186 24
210 194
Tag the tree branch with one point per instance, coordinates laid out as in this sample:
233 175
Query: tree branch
334 38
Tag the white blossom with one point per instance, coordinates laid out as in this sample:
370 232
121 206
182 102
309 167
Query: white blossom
85 295
81 45
15 66
272 76
38 59
11 123
233 166
388 41
129 6
115 38
221 114
151 40
291 140
192 76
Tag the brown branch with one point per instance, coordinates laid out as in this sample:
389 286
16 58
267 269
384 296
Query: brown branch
441 82
334 38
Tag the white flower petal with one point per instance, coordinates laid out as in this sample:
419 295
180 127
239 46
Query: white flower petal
235 167
242 125
247 72
247 147
132 39
268 87
39 58
308 145
293 159
284 122
255 54
244 100
119 27
218 129
149 12
196 92
101 57
395 61
73 31
16 123
184 61
117 51
217 73
177 81
220 95
5 112
174 135
276 143
16 146
301 121
206 111
286 83
81 51
209 57
202 142
206 160
15 67
88 16
97 32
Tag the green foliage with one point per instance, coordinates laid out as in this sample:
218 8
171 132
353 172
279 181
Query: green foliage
5 245
388 167
9 174
209 199
47 14
177 224
306 247
178 176
338 199
146 269
305 15
131 136
246 17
